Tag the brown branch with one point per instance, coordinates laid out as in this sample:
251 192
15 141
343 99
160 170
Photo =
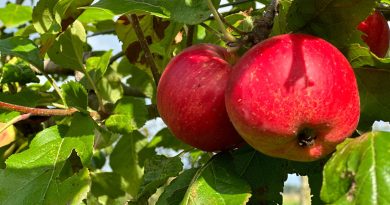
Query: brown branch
37 111
263 26
144 45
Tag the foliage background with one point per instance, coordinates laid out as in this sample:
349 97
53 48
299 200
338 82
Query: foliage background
107 101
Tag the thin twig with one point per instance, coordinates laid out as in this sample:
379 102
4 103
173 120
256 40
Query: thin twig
37 111
56 88
227 36
42 52
131 91
111 31
133 18
211 30
116 57
231 26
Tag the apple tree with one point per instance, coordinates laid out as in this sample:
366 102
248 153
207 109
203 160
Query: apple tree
81 126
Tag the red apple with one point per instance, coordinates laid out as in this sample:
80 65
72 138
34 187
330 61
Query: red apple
190 98
376 33
293 96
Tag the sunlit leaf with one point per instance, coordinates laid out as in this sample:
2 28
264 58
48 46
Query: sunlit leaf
124 161
68 49
23 48
33 173
75 95
13 15
358 173
217 183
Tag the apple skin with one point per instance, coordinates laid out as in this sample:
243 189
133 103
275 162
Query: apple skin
190 98
293 96
376 33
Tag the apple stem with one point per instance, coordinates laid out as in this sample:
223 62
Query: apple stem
227 36
14 120
37 111
133 18
190 35
306 137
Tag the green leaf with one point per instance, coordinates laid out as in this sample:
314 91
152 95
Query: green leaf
44 19
110 86
104 138
72 190
217 183
49 134
266 175
25 97
153 7
95 16
33 173
23 48
280 20
130 114
164 47
106 184
6 116
374 96
140 79
190 11
124 160
13 15
75 95
70 9
358 172
68 49
157 171
97 66
360 56
187 12
333 20
50 15
127 35
167 140
16 70
175 191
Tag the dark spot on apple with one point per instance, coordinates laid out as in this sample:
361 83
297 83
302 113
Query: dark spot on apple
306 137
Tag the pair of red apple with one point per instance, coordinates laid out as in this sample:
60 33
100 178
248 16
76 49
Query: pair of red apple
292 96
